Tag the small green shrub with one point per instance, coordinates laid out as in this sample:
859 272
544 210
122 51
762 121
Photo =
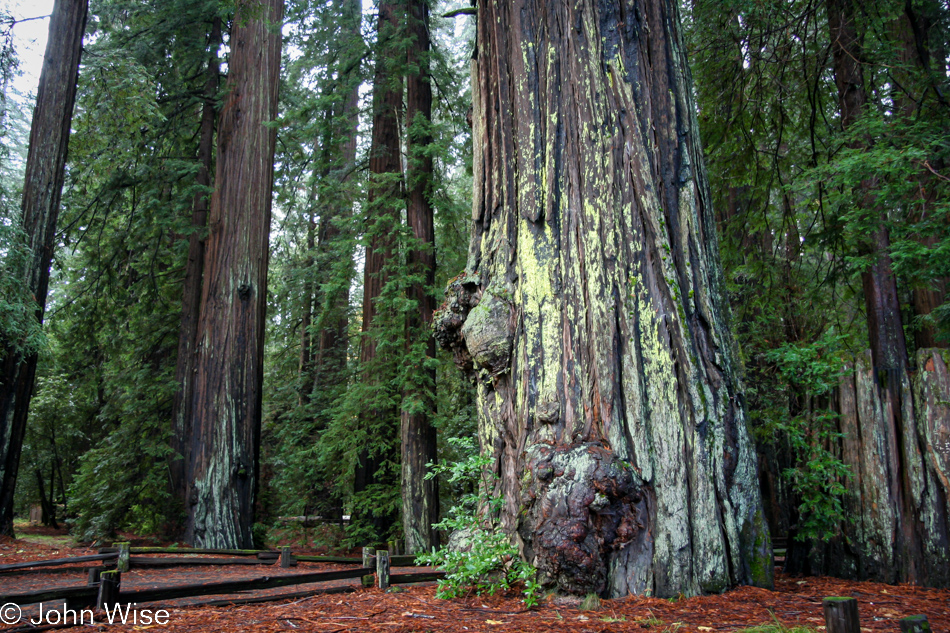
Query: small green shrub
483 560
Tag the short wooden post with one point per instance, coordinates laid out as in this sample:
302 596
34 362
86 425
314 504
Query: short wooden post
841 615
915 624
123 562
394 548
109 583
94 573
369 553
382 569
285 557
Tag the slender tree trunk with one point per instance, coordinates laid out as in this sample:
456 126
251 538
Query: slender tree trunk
191 296
902 529
592 314
915 77
42 189
420 496
382 219
230 349
48 504
306 365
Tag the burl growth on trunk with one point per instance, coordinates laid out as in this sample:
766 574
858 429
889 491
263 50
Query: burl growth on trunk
581 506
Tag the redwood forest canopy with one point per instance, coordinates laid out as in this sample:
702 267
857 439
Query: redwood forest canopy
627 288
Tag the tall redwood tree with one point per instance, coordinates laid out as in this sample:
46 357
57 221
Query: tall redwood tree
191 293
900 518
592 313
420 496
229 363
383 204
42 189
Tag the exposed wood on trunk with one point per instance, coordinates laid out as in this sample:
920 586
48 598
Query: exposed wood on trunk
42 190
420 496
592 313
229 362
191 295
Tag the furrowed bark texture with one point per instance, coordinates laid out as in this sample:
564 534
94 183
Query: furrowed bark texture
229 363
42 189
887 466
420 496
382 216
191 293
591 313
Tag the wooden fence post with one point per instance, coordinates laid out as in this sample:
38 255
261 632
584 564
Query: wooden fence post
285 558
368 554
123 563
841 615
94 573
109 584
382 569
915 624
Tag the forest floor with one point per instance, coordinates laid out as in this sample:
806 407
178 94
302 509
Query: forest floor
795 602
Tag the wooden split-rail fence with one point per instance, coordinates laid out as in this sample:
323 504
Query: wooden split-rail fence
104 584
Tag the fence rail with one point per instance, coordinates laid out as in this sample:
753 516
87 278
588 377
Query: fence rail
108 590
53 562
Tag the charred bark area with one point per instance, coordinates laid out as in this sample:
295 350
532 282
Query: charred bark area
420 496
191 294
591 311
42 190
230 343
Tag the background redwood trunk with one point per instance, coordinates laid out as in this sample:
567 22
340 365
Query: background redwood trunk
42 189
383 209
420 496
229 363
191 295
592 313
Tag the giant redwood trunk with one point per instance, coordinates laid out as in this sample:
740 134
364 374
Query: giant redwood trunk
191 292
42 189
591 313
420 496
230 344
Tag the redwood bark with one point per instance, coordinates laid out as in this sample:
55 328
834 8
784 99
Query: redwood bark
191 294
420 496
382 217
592 315
42 189
230 349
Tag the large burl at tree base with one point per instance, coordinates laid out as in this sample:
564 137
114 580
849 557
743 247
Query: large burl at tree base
591 313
